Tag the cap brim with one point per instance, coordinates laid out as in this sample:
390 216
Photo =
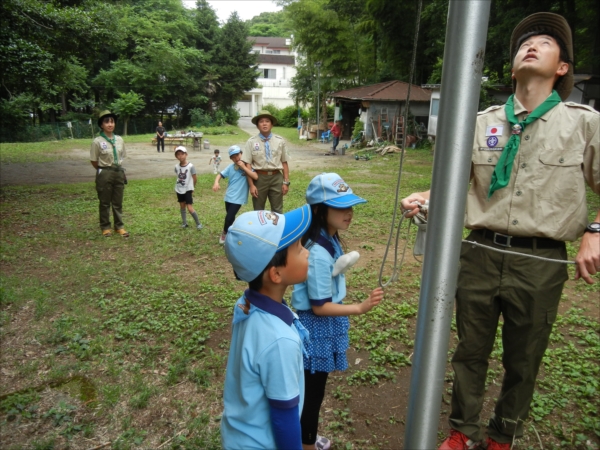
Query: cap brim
345 201
297 222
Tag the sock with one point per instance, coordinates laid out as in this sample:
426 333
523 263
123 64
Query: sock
195 216
183 216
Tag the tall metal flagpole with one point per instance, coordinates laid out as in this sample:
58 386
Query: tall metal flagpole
461 81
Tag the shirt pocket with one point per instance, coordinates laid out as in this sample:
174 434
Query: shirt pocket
484 163
560 173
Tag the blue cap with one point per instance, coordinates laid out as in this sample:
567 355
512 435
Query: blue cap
331 189
234 150
256 236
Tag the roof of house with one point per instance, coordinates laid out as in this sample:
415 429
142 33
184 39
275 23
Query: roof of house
275 59
386 91
269 42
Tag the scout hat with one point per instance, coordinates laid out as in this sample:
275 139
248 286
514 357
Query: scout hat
234 150
256 236
331 189
103 114
264 113
181 148
555 26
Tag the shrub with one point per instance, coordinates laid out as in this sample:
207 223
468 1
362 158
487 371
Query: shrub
288 117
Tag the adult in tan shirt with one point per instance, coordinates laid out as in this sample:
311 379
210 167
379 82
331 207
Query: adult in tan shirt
106 155
540 205
267 156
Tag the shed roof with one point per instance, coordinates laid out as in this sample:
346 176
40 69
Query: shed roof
387 91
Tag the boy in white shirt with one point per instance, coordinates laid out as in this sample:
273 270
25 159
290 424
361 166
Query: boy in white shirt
184 186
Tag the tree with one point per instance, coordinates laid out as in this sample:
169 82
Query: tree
127 105
270 24
237 68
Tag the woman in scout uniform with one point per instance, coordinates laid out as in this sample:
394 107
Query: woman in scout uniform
106 155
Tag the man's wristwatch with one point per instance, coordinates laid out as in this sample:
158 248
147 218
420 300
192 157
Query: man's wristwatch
593 227
286 183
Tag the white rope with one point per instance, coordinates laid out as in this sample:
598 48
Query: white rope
508 252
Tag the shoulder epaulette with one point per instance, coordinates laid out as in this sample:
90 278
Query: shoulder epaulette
490 109
581 106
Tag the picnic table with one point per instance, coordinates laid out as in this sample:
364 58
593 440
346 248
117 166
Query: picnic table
179 139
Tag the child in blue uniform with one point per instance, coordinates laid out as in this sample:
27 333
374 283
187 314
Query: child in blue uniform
318 300
264 383
237 189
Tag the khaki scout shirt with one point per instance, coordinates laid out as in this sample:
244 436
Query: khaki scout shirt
546 195
255 155
102 151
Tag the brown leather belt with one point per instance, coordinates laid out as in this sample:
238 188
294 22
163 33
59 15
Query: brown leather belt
268 172
516 241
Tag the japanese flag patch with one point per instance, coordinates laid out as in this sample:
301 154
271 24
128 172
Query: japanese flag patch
494 130
256 146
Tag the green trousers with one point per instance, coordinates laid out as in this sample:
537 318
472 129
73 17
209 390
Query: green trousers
110 187
526 292
269 187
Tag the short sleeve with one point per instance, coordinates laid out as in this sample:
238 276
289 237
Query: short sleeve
94 151
279 367
192 170
284 154
248 152
319 279
226 173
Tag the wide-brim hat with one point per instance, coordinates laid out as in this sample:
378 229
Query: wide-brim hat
332 190
264 113
103 114
556 26
256 236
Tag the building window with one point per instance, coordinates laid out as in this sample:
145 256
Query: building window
435 106
269 73
273 52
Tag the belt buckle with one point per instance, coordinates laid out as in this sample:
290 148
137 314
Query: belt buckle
506 238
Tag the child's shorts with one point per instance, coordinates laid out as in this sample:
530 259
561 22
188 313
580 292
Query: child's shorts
185 198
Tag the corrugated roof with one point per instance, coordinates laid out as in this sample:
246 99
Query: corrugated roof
275 59
269 42
386 91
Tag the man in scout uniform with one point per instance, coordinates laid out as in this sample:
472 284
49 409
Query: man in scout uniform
531 159
106 155
266 153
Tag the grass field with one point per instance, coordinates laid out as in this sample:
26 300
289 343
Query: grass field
124 341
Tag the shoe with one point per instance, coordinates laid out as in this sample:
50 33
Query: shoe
185 225
106 233
322 443
222 238
344 262
122 232
493 445
199 226
458 441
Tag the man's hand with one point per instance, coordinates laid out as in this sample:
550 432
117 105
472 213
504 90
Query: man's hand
254 191
284 189
587 260
410 204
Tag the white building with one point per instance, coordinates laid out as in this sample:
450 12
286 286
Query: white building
277 66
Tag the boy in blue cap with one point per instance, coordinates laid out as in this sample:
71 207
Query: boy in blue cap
237 189
264 383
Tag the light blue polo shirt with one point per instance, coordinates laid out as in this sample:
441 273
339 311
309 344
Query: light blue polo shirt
237 189
264 368
320 287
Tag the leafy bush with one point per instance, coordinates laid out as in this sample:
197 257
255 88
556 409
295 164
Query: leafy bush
288 117
274 110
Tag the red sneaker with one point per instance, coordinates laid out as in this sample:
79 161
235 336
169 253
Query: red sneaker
458 441
493 445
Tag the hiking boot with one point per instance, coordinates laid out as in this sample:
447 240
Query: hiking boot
322 443
222 238
493 445
458 441
106 233
122 232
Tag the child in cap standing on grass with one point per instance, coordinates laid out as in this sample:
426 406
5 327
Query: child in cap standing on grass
184 186
264 382
215 161
318 300
237 189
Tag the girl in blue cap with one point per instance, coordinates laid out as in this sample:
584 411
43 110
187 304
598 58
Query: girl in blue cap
319 300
